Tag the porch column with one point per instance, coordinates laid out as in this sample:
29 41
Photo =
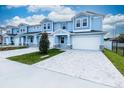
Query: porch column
35 40
69 41
7 40
54 40
22 41
26 41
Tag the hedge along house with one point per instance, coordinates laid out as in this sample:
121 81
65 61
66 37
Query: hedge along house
83 31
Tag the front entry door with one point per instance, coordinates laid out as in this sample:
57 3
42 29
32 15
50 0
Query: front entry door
62 42
30 40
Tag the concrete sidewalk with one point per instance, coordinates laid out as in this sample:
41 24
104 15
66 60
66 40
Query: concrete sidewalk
9 53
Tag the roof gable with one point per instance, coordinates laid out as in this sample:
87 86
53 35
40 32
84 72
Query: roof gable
46 20
61 32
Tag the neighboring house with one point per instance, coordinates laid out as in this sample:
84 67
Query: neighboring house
83 31
2 30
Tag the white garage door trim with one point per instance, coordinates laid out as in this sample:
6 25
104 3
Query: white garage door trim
86 42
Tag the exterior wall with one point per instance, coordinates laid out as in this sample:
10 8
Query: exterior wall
0 31
35 28
96 23
15 31
49 23
57 25
108 45
68 26
81 28
1 39
23 28
9 30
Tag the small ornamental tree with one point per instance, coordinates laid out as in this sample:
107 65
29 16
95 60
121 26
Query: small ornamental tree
44 43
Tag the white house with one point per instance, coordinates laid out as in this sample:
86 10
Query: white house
83 31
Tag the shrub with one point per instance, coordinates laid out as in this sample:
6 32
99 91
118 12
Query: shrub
44 43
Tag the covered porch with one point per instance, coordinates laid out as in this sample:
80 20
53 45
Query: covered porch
8 40
31 40
62 39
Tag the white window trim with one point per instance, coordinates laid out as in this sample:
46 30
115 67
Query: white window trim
82 22
50 25
76 23
47 26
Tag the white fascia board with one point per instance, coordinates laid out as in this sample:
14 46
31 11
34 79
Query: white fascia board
84 30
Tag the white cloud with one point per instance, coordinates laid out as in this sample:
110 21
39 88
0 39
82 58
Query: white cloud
107 27
60 17
61 14
31 20
13 6
37 8
57 13
111 20
112 23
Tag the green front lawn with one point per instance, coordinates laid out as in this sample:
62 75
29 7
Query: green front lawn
117 60
34 57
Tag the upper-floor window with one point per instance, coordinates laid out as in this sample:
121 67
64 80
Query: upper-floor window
78 23
85 22
8 31
48 26
44 26
38 27
63 26
23 30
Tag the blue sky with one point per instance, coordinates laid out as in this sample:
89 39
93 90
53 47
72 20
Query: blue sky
14 15
8 13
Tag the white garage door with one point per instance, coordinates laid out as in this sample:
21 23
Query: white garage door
86 42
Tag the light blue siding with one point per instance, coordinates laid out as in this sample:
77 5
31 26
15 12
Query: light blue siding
57 25
96 23
9 30
81 17
45 23
70 26
15 30
23 28
35 28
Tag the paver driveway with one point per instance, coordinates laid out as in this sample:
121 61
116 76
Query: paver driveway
17 75
14 74
87 65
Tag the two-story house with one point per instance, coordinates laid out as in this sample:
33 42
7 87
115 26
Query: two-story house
83 31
